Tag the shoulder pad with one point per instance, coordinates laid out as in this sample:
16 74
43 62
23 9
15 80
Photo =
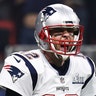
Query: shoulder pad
92 65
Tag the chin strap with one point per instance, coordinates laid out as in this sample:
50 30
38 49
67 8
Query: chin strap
64 57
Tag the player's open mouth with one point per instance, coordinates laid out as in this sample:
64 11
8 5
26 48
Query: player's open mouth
64 48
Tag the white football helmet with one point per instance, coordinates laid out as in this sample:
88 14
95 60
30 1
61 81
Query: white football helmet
58 16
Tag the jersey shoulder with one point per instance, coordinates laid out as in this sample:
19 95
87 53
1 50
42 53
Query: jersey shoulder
26 59
86 58
82 63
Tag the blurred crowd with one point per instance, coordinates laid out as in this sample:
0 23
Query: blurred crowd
17 19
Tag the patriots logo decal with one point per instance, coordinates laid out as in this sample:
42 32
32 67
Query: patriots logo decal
48 12
14 72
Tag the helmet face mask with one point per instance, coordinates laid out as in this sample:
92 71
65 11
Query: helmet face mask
51 28
65 47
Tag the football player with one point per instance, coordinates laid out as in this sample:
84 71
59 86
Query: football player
58 68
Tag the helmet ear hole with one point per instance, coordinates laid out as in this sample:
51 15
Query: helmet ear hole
42 35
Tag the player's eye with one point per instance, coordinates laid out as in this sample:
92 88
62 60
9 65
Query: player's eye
75 31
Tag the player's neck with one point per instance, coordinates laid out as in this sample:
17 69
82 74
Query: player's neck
52 58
